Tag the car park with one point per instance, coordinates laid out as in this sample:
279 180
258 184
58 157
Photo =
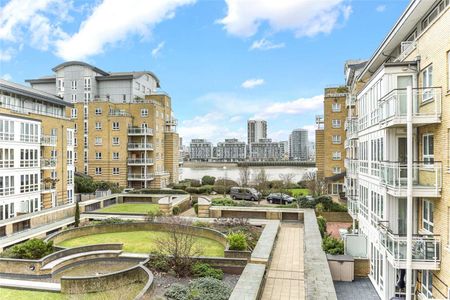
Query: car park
243 193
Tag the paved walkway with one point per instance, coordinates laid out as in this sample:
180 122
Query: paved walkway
285 276
360 288
30 285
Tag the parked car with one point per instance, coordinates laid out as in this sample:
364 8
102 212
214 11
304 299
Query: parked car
280 198
244 193
127 190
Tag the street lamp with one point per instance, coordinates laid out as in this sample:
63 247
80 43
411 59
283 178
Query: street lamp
225 182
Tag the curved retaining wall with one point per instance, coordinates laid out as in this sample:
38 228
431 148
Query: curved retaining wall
135 274
136 226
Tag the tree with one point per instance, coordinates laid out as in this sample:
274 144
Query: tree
179 245
77 214
208 180
287 180
244 175
316 185
262 181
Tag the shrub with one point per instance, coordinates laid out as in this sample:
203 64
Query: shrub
112 220
159 262
194 182
152 215
199 289
196 208
159 191
206 189
208 180
224 185
230 202
176 210
322 222
31 249
337 207
319 208
193 190
303 202
77 214
237 241
205 270
180 186
84 184
332 245
194 201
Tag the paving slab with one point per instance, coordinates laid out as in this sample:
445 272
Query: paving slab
360 288
30 285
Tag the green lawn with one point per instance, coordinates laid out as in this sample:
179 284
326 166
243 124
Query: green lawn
131 208
299 192
141 242
123 293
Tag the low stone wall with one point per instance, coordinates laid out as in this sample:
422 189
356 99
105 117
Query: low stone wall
135 226
263 249
268 213
337 216
135 274
237 254
167 204
250 283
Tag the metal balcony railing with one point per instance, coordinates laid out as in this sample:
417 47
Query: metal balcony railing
351 126
426 176
47 187
352 166
48 163
48 140
426 106
140 161
353 205
350 100
140 146
426 248
140 131
147 176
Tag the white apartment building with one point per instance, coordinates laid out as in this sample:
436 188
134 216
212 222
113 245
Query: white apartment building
200 150
397 144
231 150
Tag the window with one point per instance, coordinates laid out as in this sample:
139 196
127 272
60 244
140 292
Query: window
124 98
98 125
336 139
98 111
115 126
60 84
29 158
427 215
98 155
115 141
428 148
75 127
427 83
29 183
7 158
115 171
6 185
98 140
87 83
336 123
336 107
138 86
115 155
427 284
74 84
336 170
69 177
337 155
74 113
29 132
74 98
87 97
98 171
6 130
144 112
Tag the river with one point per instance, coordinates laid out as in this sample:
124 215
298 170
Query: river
232 172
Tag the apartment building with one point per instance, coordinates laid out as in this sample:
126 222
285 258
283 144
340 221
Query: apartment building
330 137
398 150
299 145
125 131
36 151
231 150
266 149
200 150
256 130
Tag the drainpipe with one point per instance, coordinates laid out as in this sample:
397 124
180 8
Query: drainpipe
409 197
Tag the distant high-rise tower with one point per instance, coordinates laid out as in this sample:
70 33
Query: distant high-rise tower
298 144
256 130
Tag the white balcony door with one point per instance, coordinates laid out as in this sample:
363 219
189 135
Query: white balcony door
402 83
401 216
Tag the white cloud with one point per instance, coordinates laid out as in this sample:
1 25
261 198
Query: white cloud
304 17
6 77
29 21
251 83
101 29
381 8
6 54
295 107
157 49
264 44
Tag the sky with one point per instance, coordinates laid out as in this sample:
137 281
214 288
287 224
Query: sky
222 61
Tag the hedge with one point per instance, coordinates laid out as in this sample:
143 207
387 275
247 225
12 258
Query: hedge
159 191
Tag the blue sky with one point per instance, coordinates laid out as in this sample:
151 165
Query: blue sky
222 61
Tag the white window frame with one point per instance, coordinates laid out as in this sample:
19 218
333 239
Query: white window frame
98 111
428 215
74 84
427 83
98 125
87 83
115 155
337 170
98 141
336 123
427 284
98 155
427 157
98 171
336 107
144 112
74 98
116 171
115 126
74 113
336 139
114 139
337 155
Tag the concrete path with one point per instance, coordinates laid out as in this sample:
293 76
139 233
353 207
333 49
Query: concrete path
188 213
30 285
285 276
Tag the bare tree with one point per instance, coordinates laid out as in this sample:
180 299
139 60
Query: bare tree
262 181
244 175
287 180
179 245
316 185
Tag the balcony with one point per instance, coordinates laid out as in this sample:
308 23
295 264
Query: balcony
140 146
350 100
140 177
353 206
140 161
47 188
426 107
48 163
48 140
140 131
426 249
427 178
351 126
352 167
